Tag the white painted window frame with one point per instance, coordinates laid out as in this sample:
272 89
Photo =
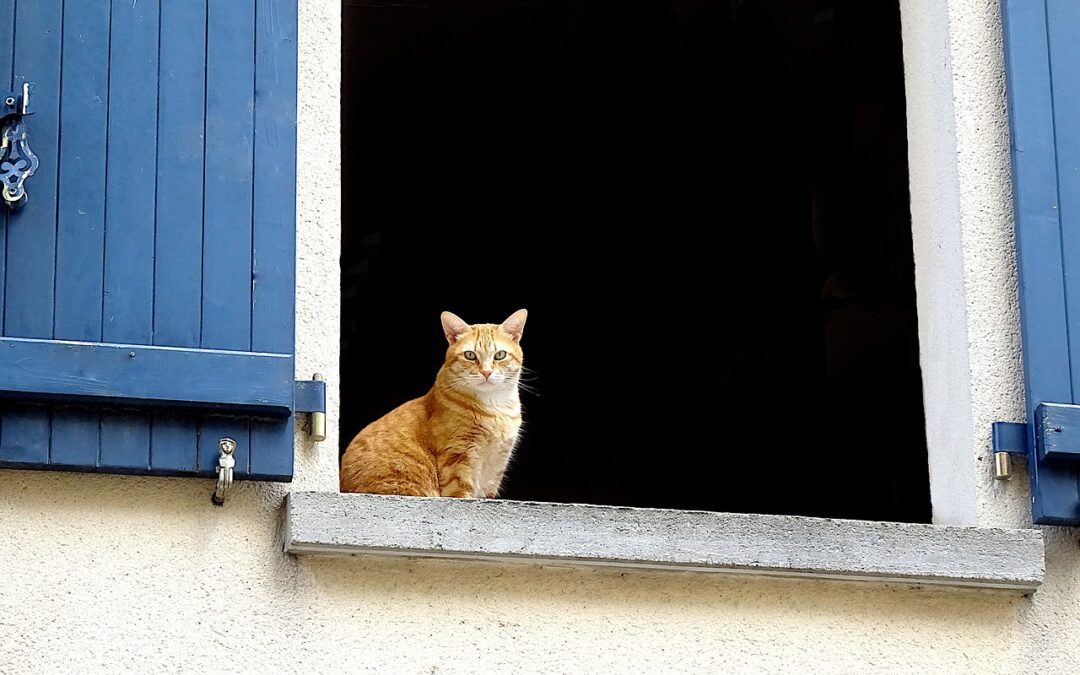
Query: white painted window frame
952 552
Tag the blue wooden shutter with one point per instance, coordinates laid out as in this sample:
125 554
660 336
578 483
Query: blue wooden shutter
1042 46
148 284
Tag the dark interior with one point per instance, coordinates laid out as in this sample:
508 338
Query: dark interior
702 203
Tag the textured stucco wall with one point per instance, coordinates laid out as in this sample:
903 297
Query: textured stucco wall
102 572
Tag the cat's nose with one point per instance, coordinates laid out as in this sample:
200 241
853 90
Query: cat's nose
486 374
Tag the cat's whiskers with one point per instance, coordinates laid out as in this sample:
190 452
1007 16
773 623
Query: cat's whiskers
527 388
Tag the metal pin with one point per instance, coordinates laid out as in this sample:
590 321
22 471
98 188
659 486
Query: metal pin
1002 466
318 419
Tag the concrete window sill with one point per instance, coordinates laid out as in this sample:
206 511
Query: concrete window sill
322 523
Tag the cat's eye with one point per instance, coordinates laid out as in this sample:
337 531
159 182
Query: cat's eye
470 355
500 355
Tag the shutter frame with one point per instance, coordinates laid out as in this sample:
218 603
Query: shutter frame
1046 188
149 287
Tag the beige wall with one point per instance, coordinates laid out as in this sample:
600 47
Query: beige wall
101 572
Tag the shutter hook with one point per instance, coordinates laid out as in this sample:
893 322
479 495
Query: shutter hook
226 462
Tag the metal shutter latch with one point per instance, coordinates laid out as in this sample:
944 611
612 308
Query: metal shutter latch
226 462
17 161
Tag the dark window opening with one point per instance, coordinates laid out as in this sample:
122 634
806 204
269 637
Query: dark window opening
702 203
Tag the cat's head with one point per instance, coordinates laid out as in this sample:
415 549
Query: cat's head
484 357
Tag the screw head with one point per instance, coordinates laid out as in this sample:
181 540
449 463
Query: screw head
10 101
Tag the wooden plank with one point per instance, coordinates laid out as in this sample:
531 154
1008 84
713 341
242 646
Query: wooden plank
76 437
178 250
31 245
7 64
132 167
1043 320
139 375
31 232
128 313
1063 24
226 291
272 449
1057 430
174 443
125 442
230 73
178 241
273 307
81 211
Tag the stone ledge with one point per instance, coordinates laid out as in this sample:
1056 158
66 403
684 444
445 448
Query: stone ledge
325 523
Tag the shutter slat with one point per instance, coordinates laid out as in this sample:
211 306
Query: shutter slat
76 437
81 214
132 166
31 232
230 73
81 211
275 183
129 207
178 244
31 245
226 322
7 53
125 442
273 240
178 284
1064 39
174 443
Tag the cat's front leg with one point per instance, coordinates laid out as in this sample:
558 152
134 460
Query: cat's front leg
457 473
494 467
490 488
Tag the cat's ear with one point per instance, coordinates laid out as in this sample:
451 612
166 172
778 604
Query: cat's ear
453 326
515 325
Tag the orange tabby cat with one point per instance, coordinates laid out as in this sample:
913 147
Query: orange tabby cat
457 439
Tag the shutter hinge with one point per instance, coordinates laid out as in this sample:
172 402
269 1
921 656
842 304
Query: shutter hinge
310 396
1008 438
17 161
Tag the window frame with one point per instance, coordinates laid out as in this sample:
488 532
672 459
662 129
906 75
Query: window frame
954 196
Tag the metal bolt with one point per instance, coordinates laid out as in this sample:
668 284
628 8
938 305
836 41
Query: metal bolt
10 101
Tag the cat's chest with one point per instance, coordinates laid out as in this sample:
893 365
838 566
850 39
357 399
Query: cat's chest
495 431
